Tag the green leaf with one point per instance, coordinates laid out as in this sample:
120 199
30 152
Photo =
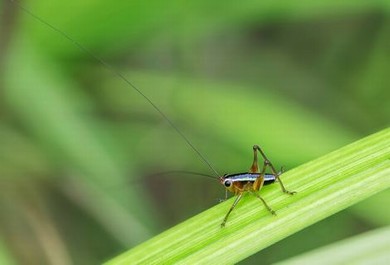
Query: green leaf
375 210
369 248
5 257
237 115
52 112
325 186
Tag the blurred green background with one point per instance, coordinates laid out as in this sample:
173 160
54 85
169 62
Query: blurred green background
80 150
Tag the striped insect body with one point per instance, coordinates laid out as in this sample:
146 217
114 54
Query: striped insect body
252 181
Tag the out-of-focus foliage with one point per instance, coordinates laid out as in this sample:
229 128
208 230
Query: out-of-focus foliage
79 148
368 248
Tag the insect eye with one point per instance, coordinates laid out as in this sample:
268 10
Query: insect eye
227 183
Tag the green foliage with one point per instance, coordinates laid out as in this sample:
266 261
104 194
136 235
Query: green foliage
325 186
369 248
79 148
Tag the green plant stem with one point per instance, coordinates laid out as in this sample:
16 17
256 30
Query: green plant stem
325 186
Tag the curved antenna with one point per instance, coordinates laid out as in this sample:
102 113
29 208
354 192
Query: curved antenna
121 76
183 172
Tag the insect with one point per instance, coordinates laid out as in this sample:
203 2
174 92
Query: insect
251 181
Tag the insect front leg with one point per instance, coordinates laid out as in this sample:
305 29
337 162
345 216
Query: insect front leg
238 198
269 164
224 199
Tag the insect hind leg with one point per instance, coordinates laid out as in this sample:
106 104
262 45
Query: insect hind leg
255 164
264 202
257 185
267 163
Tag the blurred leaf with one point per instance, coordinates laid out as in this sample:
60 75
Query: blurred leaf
325 186
51 107
374 210
371 81
5 257
234 117
19 157
369 248
138 22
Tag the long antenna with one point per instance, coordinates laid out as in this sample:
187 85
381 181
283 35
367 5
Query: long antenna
121 76
183 172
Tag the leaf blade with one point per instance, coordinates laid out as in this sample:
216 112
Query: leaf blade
326 186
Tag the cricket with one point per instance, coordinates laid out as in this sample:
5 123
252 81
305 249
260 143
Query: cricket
259 174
